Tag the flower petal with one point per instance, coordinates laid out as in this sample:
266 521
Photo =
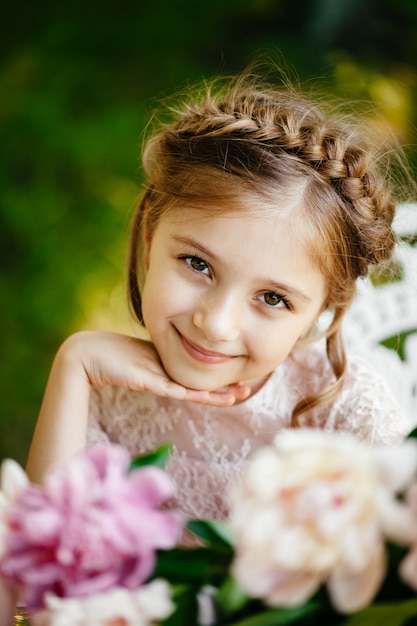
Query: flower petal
154 600
294 589
351 590
398 523
396 465
154 485
408 568
12 479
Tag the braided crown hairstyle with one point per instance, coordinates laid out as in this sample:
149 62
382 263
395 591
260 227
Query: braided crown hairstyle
274 144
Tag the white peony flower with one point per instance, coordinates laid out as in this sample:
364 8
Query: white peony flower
12 480
154 600
142 607
317 508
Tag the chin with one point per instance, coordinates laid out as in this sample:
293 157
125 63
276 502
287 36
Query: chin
197 380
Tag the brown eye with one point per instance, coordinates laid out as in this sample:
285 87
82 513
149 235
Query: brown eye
198 264
272 299
276 301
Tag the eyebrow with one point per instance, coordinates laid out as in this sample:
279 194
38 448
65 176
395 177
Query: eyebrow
191 242
290 290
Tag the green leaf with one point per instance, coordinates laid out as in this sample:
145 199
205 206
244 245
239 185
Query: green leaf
393 614
192 565
186 612
158 457
216 533
230 597
413 434
283 617
397 342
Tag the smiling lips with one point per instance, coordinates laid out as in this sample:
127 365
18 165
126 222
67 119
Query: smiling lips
201 354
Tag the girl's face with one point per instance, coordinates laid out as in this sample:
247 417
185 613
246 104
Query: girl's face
226 297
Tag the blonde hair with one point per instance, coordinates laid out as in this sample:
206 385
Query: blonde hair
266 141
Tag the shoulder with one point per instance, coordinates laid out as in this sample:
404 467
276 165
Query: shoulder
367 407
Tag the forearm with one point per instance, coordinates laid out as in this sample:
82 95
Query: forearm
61 429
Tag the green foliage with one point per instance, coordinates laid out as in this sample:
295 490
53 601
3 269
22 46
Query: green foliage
158 457
217 533
399 614
397 342
78 81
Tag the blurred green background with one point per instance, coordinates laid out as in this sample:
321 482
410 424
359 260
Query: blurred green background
78 81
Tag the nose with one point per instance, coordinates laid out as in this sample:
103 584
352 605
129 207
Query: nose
218 316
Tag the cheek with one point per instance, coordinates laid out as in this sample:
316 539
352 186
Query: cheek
274 346
269 347
152 298
164 296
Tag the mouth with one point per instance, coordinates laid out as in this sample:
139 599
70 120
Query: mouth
203 355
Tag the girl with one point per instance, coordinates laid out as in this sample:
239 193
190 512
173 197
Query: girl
260 212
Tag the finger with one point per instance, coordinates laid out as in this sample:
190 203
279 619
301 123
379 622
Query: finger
239 390
242 392
164 386
224 397
211 398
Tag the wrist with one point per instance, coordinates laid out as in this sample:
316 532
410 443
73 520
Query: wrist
71 357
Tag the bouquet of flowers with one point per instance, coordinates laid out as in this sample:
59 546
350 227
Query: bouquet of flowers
322 530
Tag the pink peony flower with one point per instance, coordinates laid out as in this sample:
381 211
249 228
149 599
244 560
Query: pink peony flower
91 527
318 509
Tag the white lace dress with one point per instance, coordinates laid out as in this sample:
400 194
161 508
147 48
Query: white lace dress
211 445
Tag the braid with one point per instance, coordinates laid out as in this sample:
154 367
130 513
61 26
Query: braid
251 131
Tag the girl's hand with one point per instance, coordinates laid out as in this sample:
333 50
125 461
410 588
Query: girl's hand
115 359
89 359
